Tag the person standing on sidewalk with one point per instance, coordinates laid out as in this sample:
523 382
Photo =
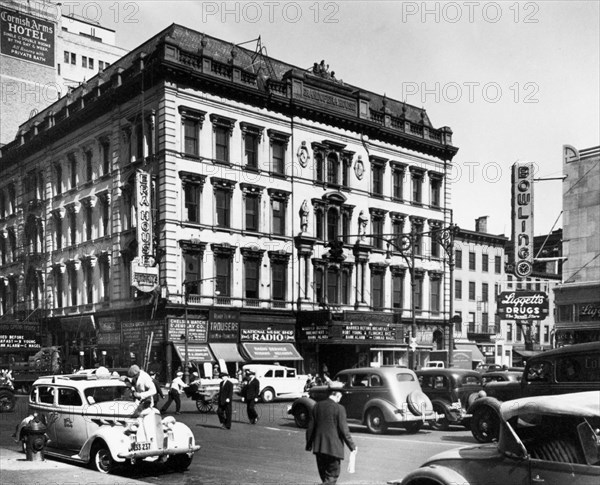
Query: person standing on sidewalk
224 410
327 432
175 391
251 394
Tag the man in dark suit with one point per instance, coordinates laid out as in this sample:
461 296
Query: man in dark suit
327 432
225 397
251 394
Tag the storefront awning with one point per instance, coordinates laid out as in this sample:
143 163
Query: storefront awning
526 353
472 346
271 351
227 352
196 352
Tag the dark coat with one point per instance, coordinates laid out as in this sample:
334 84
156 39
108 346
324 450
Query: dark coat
159 393
252 390
328 430
225 392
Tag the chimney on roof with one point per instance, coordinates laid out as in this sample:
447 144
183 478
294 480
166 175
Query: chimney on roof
481 224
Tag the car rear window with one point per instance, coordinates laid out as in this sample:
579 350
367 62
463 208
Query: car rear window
471 380
405 377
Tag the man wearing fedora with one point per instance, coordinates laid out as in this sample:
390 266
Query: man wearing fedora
327 432
224 410
250 394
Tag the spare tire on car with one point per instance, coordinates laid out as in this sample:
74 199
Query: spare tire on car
418 403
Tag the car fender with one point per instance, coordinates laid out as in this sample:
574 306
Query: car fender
305 401
436 473
114 437
24 422
487 401
181 436
386 408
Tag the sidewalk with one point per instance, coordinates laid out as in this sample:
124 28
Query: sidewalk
16 470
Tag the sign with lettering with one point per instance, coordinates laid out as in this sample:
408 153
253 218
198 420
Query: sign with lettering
25 37
144 218
223 325
144 278
18 342
109 338
197 329
138 332
589 312
267 335
368 332
314 332
523 305
522 217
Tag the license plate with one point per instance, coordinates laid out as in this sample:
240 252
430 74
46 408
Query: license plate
143 446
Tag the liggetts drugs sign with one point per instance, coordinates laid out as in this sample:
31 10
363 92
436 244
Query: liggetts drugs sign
523 305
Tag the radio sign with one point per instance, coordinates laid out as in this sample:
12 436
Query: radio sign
522 217
523 305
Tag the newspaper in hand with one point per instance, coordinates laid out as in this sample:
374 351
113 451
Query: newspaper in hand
352 461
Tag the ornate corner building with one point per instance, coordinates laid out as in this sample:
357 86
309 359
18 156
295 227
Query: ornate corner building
200 201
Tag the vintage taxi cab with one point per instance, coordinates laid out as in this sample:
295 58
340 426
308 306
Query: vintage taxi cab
92 419
544 439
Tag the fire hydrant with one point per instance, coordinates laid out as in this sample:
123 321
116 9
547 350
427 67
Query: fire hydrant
35 439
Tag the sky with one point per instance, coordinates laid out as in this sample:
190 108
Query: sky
514 80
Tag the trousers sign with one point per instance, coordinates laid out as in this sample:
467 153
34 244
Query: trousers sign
523 305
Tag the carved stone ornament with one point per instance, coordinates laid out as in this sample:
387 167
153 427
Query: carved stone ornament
303 155
359 168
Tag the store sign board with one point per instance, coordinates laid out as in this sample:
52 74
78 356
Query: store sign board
28 38
138 332
144 218
18 341
314 332
589 312
197 330
523 305
522 217
267 335
368 332
144 278
223 326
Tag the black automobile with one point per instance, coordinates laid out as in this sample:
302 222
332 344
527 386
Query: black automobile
451 391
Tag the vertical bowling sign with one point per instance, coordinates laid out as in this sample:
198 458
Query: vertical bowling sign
144 218
522 217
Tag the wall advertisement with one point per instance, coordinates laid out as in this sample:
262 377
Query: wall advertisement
28 38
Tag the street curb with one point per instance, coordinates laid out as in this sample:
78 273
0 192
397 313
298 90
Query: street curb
16 470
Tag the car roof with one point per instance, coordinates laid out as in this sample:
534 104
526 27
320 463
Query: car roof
585 404
392 370
453 372
80 381
592 347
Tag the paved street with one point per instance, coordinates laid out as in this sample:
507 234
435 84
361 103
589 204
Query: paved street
270 452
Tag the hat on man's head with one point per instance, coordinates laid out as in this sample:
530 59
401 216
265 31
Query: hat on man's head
195 374
133 371
335 387
223 374
179 374
152 373
250 372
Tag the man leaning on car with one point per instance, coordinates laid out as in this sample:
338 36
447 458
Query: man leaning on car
144 388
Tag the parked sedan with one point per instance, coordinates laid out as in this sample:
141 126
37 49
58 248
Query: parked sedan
451 391
95 420
545 439
379 397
